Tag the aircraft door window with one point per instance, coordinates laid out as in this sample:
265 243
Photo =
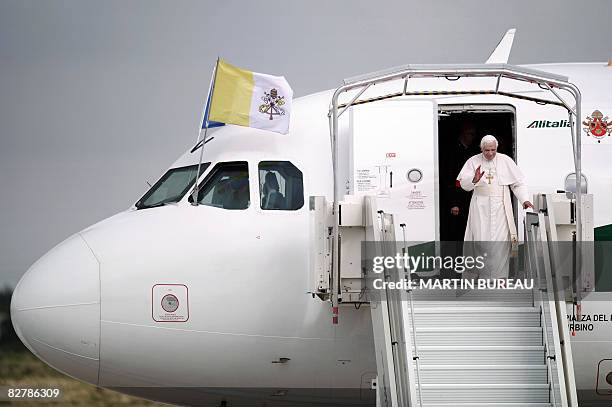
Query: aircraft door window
281 186
227 186
171 187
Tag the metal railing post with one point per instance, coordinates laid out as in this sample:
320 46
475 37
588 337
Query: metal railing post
416 356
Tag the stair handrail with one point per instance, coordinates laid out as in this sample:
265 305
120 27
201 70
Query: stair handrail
394 306
415 357
386 381
543 271
538 296
560 302
552 297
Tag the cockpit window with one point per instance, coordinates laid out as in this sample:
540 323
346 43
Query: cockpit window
171 187
281 186
227 186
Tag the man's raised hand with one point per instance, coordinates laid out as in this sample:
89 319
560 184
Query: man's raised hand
477 175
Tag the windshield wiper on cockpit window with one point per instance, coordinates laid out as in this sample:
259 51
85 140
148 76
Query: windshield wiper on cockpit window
201 143
158 204
171 187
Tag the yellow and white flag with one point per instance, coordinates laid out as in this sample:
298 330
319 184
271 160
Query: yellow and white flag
250 99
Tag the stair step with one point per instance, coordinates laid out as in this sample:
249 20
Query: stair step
476 316
482 335
466 374
471 303
487 405
473 298
473 394
473 295
481 355
457 309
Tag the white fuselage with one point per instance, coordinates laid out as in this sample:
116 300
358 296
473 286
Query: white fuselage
86 306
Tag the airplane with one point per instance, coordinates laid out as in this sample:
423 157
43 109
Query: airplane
212 304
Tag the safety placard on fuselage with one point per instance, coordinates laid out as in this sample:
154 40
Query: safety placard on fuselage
394 158
170 303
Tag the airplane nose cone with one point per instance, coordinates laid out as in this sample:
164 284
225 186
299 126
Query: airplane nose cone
55 309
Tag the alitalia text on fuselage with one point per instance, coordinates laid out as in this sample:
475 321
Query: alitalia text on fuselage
540 124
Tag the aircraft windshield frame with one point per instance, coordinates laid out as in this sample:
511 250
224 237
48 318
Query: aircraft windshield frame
164 182
237 173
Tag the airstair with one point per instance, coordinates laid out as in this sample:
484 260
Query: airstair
459 347
462 347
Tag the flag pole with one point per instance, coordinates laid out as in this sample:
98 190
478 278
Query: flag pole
204 123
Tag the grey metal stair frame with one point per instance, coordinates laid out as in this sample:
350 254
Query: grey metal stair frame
481 349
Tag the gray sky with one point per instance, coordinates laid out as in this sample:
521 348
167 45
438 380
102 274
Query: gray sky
97 97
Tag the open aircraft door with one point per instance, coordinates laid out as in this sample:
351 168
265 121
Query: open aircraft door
394 156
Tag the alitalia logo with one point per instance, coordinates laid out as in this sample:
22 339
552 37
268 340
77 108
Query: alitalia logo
541 124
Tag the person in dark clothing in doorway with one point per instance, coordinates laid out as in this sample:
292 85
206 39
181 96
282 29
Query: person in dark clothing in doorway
458 199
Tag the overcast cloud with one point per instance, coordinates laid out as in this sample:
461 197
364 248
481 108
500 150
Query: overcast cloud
98 97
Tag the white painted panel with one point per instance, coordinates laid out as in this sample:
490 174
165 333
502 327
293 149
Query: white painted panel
390 139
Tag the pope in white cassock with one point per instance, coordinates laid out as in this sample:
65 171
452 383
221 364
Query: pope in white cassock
490 220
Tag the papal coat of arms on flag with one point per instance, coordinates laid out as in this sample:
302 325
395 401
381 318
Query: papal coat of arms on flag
272 104
250 99
597 125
